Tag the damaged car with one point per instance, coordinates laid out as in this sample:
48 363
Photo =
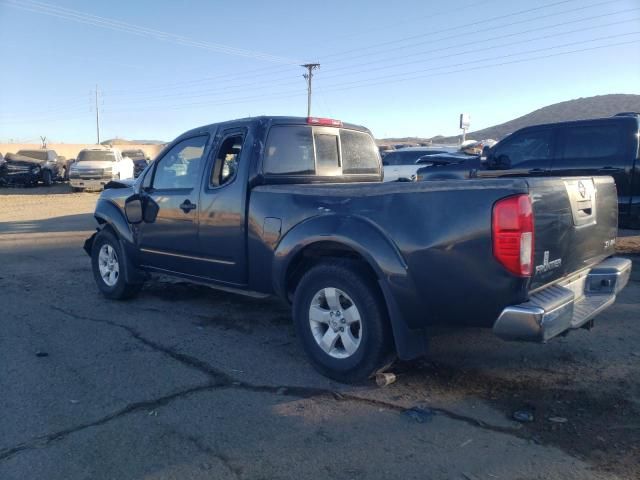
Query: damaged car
25 168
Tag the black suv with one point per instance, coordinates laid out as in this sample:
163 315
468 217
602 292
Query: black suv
604 146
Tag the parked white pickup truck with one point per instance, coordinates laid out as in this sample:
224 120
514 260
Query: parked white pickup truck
95 167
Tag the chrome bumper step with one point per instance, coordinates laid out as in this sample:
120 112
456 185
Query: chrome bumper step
568 305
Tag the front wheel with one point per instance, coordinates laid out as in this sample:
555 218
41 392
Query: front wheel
109 262
342 322
47 178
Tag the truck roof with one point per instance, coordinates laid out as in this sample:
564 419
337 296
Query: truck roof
271 119
624 117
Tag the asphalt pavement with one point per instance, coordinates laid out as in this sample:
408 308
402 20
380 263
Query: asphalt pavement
185 382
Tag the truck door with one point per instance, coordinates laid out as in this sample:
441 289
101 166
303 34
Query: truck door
598 148
524 154
169 242
222 232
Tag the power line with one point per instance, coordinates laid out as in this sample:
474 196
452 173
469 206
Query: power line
457 27
476 50
103 22
481 30
243 87
383 80
431 15
252 74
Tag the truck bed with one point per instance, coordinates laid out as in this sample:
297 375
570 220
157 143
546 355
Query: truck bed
441 234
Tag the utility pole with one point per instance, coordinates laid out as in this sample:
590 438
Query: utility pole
308 76
97 117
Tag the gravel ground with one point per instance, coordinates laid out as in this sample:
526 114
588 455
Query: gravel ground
186 382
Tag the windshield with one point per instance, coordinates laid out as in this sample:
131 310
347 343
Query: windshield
37 154
96 156
134 154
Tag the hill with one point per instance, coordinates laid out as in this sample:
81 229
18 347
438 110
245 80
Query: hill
578 109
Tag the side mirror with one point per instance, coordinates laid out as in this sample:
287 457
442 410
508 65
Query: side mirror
140 209
133 210
149 210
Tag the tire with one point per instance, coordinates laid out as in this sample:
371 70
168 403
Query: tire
47 178
77 189
109 263
368 344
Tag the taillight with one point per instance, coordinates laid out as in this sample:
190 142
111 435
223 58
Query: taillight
329 122
512 230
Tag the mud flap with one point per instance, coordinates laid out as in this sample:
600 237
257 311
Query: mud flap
88 243
409 343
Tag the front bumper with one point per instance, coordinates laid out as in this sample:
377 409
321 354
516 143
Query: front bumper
90 184
564 306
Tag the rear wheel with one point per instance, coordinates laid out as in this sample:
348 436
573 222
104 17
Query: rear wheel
109 264
342 322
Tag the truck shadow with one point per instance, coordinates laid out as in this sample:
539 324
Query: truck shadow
55 189
67 223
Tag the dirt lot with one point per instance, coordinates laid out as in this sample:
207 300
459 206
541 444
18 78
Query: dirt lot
186 382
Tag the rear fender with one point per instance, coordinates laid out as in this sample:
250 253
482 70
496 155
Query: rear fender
377 250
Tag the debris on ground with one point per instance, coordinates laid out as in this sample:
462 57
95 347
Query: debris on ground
558 419
384 379
41 354
523 416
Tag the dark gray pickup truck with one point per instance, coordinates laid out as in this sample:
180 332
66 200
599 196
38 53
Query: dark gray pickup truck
296 207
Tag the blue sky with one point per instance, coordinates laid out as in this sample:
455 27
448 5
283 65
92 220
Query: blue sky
401 68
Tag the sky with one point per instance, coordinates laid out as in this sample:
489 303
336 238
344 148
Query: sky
402 68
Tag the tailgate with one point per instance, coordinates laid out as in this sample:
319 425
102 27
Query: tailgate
575 222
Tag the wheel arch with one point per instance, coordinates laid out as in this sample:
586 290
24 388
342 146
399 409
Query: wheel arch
356 239
108 214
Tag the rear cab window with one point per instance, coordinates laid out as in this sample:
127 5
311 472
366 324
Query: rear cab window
301 150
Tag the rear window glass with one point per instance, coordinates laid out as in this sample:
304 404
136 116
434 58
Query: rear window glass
359 155
96 156
290 151
595 141
37 154
327 156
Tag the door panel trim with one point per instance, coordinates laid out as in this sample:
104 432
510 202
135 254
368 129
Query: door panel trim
188 257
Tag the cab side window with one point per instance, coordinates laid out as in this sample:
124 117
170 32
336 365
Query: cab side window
225 165
180 167
524 147
593 141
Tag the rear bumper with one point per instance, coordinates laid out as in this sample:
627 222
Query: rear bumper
568 305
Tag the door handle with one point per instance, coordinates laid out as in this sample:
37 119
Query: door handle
187 206
609 169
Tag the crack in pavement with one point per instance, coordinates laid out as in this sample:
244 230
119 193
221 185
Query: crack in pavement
220 380
44 440
203 448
